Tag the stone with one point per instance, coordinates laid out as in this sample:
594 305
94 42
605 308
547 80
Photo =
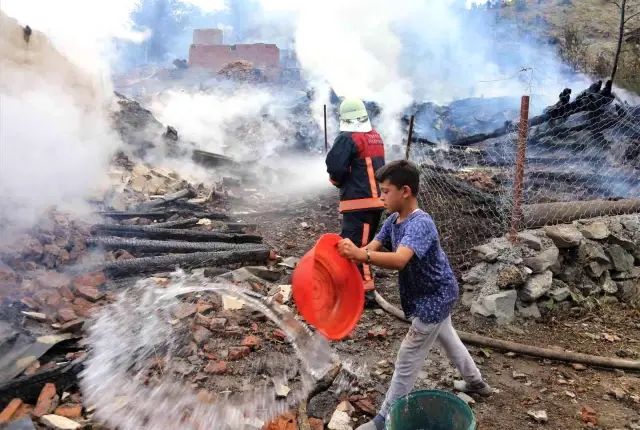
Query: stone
596 230
539 416
510 276
536 286
592 251
608 285
500 305
346 406
564 236
216 368
290 262
477 274
559 294
466 398
218 323
530 240
531 311
279 334
59 423
47 401
266 273
282 391
340 421
543 260
625 243
65 315
634 273
628 291
621 260
72 326
486 253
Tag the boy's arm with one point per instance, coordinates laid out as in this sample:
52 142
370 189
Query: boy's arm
374 245
390 260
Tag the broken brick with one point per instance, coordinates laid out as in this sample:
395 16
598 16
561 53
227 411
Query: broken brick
205 396
47 401
203 307
254 326
123 255
216 368
238 352
201 335
589 416
89 292
69 411
251 341
54 299
366 406
290 245
8 275
72 326
65 292
218 323
28 302
377 333
279 334
286 421
10 410
185 310
316 424
234 329
94 280
83 307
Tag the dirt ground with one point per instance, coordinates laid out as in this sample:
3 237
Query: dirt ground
522 384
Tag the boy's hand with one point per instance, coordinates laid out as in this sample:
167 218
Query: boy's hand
349 250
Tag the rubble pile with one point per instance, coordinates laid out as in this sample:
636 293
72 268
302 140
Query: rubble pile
242 71
568 267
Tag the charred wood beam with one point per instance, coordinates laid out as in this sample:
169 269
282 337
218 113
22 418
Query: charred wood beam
158 246
454 186
136 266
240 226
542 214
189 192
181 223
151 232
586 102
163 214
28 388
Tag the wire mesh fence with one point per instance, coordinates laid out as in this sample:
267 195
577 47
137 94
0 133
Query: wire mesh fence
586 150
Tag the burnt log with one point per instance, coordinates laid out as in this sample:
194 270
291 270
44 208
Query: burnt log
168 246
136 266
152 232
189 192
589 101
240 226
181 223
28 388
162 214
449 184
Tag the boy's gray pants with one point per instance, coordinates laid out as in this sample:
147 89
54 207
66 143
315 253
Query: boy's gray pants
414 350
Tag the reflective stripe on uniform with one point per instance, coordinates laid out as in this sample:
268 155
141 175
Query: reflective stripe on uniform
361 204
372 178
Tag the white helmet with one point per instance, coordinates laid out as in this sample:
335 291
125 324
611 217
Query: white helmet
354 117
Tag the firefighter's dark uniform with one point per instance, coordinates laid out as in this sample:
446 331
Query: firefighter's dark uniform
351 163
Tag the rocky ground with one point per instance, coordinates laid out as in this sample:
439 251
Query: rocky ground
572 396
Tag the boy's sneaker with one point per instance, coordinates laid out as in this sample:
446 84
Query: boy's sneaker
375 424
481 388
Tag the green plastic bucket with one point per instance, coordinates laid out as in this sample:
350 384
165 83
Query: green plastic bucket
430 410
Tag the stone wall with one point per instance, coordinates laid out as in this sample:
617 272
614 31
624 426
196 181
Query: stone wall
565 267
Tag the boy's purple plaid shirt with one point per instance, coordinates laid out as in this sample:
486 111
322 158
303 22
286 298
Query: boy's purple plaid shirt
428 287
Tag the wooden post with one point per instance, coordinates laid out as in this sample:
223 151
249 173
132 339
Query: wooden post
326 142
408 150
518 180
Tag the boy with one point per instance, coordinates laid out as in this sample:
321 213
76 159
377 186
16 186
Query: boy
428 287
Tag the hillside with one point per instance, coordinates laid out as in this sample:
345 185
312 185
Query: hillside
587 31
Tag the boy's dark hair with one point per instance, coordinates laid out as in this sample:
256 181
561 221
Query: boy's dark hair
400 173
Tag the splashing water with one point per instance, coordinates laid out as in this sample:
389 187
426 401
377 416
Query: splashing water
129 336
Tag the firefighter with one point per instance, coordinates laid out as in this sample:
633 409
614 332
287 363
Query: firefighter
356 155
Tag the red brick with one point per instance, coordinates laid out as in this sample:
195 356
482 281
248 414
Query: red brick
83 307
54 300
316 424
279 334
72 326
238 352
216 368
251 341
69 411
47 401
285 421
123 255
185 310
28 302
89 292
377 333
94 279
203 307
65 292
65 315
10 410
254 326
53 279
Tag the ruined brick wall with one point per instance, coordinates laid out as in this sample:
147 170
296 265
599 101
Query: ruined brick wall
207 36
215 57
